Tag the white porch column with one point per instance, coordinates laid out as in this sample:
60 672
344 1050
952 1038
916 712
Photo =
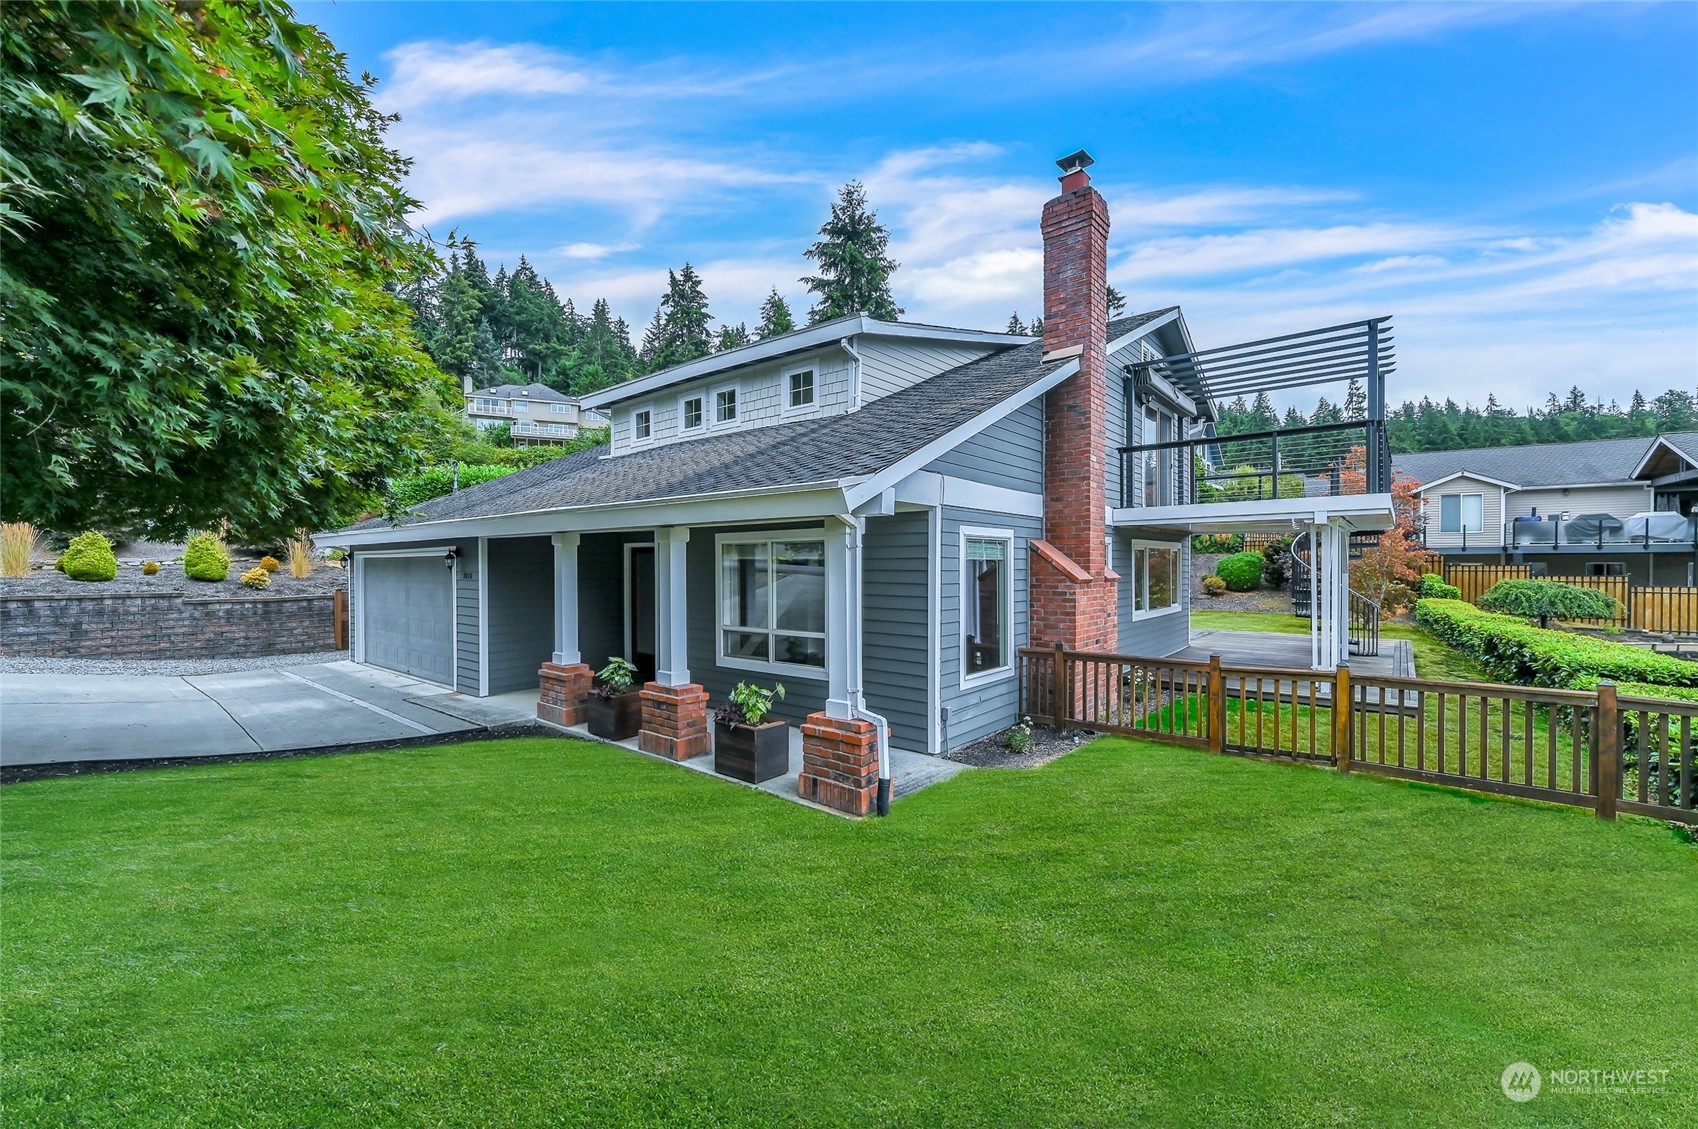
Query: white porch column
1341 593
842 637
566 599
1329 595
671 625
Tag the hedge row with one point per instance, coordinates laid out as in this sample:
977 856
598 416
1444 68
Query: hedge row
1513 650
433 482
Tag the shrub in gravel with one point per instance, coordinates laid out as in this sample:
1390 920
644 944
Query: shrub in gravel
1213 585
151 568
1241 571
205 558
90 557
270 564
256 577
59 562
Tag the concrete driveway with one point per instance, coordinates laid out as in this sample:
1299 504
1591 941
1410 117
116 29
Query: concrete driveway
54 718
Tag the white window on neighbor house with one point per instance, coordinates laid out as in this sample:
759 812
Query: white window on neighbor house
986 604
522 407
484 404
642 424
1462 513
1155 579
690 412
772 603
560 409
801 389
725 405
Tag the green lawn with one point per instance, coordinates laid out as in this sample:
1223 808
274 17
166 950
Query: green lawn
544 932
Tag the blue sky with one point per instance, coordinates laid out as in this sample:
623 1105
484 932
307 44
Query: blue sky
1516 184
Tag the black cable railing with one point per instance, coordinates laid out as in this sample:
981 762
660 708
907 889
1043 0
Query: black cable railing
1317 460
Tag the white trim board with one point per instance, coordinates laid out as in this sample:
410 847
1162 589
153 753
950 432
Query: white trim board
928 488
1007 670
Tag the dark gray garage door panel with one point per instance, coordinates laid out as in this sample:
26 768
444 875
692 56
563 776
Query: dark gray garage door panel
407 617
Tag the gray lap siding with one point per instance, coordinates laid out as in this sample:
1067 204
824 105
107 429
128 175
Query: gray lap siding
520 608
896 625
1010 453
1158 635
988 707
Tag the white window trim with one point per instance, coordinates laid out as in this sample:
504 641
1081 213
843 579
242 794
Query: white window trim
784 389
560 409
996 674
1178 604
1461 519
720 627
713 420
684 429
521 407
649 438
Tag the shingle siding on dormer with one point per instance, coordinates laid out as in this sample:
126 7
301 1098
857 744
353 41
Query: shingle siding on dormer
762 399
890 364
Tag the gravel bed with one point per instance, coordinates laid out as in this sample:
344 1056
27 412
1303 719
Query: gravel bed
48 581
177 667
1048 743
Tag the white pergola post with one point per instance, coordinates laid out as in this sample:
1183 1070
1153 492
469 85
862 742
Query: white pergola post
1341 594
1329 595
566 599
842 640
671 627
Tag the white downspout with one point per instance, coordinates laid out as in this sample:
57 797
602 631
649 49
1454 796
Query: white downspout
857 702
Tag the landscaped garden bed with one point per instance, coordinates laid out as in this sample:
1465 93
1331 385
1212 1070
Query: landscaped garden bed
46 581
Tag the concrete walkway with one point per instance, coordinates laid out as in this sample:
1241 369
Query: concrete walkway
57 718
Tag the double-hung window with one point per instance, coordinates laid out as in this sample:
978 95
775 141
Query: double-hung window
772 602
690 411
986 603
1462 513
642 425
725 405
1155 579
801 389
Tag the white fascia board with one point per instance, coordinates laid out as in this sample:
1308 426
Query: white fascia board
858 492
809 501
1476 476
1659 443
815 336
1360 511
928 488
1148 328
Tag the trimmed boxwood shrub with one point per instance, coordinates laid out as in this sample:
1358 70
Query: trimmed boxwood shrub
90 557
1213 585
1513 650
1433 587
205 559
1241 571
270 564
151 568
257 577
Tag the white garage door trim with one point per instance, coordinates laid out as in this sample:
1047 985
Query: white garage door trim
360 558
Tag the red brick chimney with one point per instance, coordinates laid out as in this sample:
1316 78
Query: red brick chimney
1073 587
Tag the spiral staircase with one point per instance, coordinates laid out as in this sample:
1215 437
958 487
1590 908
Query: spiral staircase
1364 613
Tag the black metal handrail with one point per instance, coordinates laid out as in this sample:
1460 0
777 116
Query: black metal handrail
1364 625
1256 466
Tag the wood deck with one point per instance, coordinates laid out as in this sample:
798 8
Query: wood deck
1291 652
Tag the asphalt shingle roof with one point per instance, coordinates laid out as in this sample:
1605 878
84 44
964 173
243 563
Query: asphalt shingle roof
856 444
1542 464
523 391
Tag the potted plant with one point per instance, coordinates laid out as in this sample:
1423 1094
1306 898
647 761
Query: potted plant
615 707
746 746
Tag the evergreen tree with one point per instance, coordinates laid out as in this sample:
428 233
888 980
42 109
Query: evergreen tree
854 269
1116 303
684 318
732 337
1675 411
1016 327
775 317
1037 327
1355 401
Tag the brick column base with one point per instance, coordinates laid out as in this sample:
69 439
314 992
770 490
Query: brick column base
564 689
839 763
675 721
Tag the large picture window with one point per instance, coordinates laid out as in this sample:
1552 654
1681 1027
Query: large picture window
1155 579
1462 513
986 603
772 603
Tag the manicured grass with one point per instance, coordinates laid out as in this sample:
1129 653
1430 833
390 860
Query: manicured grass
1433 659
543 932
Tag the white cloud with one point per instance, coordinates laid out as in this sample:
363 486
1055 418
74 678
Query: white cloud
428 73
592 250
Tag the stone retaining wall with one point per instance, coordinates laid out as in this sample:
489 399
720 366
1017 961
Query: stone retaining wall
166 625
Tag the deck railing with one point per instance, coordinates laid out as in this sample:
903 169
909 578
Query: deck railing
1590 749
1329 459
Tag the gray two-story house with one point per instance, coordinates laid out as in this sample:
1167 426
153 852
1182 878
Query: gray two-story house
878 515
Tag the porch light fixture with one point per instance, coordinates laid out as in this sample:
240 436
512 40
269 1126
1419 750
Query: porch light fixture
451 556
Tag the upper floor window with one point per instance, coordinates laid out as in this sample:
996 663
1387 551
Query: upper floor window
802 388
522 407
690 412
986 590
561 409
642 424
484 404
725 405
1462 513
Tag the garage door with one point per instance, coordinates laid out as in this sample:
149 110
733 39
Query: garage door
407 616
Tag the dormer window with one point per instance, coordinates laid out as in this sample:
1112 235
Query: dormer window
690 412
802 389
642 425
725 405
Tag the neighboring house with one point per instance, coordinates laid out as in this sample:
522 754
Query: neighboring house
878 515
530 413
1606 507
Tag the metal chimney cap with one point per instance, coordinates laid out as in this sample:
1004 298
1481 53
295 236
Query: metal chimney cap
1076 162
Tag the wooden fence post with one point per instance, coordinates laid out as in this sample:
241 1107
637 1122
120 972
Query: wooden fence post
339 619
1217 706
1341 710
1606 743
1063 692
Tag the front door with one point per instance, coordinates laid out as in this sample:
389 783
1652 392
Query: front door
639 609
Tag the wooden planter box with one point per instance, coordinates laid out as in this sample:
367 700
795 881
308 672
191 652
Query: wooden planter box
751 753
615 719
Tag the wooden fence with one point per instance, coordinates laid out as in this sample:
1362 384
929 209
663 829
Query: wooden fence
339 619
1663 609
1551 745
